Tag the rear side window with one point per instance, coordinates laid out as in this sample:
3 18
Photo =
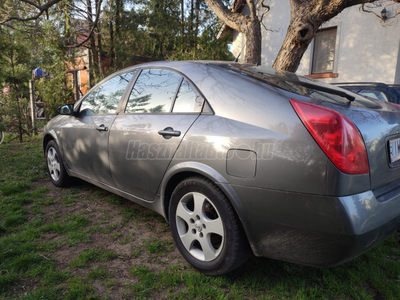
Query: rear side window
105 98
187 100
153 92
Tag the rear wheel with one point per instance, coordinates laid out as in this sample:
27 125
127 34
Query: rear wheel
55 166
2 134
205 227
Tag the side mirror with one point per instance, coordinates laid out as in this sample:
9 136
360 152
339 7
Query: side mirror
67 109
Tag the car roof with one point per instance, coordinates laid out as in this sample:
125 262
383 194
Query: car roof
272 77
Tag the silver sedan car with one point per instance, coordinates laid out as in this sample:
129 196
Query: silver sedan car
238 159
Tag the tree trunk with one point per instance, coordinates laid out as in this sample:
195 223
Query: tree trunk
118 9
19 116
299 35
118 12
191 20
306 17
182 24
92 43
249 25
196 29
20 133
253 43
100 56
112 51
99 44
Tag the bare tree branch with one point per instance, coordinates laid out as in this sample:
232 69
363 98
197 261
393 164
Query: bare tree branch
42 8
91 29
265 12
235 21
252 7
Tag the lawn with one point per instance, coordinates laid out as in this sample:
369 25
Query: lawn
85 243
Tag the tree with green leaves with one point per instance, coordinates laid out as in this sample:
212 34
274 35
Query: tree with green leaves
14 68
22 49
117 33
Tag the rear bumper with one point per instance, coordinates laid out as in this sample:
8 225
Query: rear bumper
315 230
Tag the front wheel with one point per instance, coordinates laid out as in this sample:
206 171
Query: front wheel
2 134
55 166
205 227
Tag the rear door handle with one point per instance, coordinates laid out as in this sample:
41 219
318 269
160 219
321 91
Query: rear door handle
102 128
169 132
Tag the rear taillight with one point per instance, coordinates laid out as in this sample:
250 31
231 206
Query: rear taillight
338 137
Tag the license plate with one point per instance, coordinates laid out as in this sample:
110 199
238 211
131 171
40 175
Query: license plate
394 148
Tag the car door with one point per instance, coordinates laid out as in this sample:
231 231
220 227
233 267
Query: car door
85 140
161 108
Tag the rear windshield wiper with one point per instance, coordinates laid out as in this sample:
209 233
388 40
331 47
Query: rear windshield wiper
324 89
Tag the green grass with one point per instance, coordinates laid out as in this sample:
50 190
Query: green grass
91 255
98 273
85 243
154 246
8 189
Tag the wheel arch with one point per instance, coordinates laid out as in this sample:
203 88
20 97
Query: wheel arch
187 169
49 136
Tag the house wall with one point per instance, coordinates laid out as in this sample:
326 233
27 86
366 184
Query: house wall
367 48
276 21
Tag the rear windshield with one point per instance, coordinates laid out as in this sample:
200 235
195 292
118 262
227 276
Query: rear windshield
300 85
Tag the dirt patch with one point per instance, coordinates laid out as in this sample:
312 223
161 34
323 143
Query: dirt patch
113 225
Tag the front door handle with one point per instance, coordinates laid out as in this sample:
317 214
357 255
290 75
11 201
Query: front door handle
169 132
101 128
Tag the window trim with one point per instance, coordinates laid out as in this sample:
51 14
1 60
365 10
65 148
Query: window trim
176 94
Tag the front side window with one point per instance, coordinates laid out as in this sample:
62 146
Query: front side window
105 98
324 51
153 92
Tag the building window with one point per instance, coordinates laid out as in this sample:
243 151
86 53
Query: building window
324 51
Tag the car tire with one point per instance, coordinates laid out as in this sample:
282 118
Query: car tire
55 166
205 227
